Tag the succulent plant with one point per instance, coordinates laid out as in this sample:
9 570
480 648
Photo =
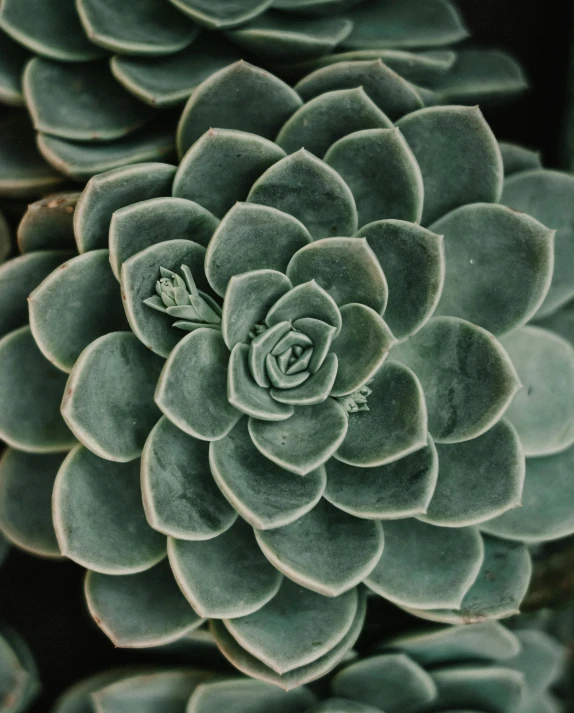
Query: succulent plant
93 73
19 683
187 401
484 667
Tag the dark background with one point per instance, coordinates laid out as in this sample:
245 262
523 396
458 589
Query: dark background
44 599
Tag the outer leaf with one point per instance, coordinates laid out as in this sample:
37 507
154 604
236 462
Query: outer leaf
395 424
314 7
517 158
306 440
140 610
81 102
341 705
179 495
99 517
264 494
138 226
252 237
218 102
486 687
322 121
75 305
545 195
345 549
244 695
447 563
224 577
221 167
192 390
541 660
467 377
108 402
543 411
311 191
458 156
20 684
390 682
112 190
47 224
220 14
413 261
382 173
402 488
478 479
27 422
13 59
26 484
295 628
499 266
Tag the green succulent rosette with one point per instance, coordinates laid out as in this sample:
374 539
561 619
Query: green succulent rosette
287 364
98 77
19 683
483 667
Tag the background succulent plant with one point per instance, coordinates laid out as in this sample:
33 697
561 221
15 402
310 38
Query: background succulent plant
280 609
91 72
19 683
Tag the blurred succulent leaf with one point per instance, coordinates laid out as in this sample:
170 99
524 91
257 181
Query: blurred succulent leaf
13 59
517 158
540 659
220 14
47 224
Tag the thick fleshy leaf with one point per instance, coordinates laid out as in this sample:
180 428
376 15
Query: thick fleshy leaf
140 610
322 121
488 640
458 156
412 259
498 589
20 680
295 628
543 410
467 377
547 511
82 161
499 266
224 577
546 196
311 191
405 23
244 695
305 441
167 81
307 300
146 28
179 495
345 549
55 32
395 423
99 516
315 389
221 167
264 494
541 660
482 687
246 395
220 14
284 39
314 7
47 224
75 305
23 171
139 275
517 158
31 390
218 103
112 190
252 666
248 298
479 479
382 173
18 277
13 59
26 484
346 268
480 75
361 347
192 390
342 705
390 682
108 402
252 237
82 102
402 488
446 561
140 225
